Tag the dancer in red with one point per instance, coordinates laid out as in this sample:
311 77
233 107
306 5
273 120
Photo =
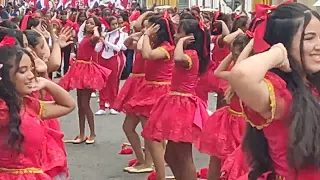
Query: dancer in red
24 152
224 130
133 83
86 76
282 136
179 116
111 56
158 47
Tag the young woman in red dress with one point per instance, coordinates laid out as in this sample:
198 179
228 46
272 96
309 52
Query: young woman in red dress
180 115
224 130
23 152
280 94
157 50
86 76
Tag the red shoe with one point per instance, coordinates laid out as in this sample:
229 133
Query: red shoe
202 174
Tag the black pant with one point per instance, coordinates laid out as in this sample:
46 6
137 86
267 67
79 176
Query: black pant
66 58
128 68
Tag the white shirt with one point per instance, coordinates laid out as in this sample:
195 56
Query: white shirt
110 47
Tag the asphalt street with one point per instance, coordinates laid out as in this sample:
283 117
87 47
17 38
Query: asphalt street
101 161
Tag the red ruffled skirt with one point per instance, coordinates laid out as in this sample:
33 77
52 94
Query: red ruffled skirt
143 101
128 90
222 134
55 159
85 75
24 176
176 118
235 166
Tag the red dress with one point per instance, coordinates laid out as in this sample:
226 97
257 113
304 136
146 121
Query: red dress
55 161
85 73
179 115
209 82
132 84
26 165
224 130
158 82
276 131
235 166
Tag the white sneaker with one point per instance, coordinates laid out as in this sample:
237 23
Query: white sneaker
209 112
106 105
101 112
114 112
93 95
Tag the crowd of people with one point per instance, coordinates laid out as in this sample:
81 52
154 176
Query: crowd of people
264 68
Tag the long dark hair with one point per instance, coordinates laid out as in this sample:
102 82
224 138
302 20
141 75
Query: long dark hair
239 22
191 26
10 57
96 22
163 34
32 37
303 148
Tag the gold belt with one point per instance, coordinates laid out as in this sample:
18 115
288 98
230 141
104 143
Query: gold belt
83 62
22 171
180 93
236 113
137 74
159 82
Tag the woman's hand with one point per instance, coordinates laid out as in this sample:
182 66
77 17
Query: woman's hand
65 37
40 65
152 30
284 64
39 83
187 40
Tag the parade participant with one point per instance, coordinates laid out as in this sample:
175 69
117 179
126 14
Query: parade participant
180 115
130 88
111 56
86 76
23 151
281 139
224 129
157 50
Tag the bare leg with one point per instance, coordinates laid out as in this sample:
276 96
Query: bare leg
81 114
185 161
148 157
129 127
214 168
157 154
171 158
89 113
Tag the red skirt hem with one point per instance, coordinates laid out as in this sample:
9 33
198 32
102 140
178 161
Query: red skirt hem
143 101
85 76
222 134
172 118
128 90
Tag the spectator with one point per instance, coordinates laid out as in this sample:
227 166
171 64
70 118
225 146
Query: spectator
3 13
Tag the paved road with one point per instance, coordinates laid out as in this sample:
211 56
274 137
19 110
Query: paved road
101 160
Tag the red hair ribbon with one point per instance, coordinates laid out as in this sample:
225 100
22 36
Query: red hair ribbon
25 20
250 34
262 14
237 16
203 28
216 15
8 41
166 17
104 22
